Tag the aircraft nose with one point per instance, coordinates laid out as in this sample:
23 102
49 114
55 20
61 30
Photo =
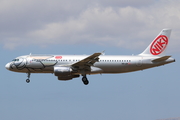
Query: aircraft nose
7 66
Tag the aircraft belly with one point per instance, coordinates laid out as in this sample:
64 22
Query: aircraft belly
116 68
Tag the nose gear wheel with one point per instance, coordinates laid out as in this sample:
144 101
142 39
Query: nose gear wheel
28 80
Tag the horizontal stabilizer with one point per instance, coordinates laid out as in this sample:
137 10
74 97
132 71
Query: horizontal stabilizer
161 59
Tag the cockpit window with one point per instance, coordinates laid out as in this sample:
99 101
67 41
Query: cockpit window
15 60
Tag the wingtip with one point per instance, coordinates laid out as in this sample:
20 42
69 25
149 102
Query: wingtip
103 52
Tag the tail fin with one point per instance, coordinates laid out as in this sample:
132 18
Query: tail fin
159 44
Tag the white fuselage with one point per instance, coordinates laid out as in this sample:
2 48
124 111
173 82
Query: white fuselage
105 64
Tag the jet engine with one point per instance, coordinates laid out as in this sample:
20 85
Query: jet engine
64 73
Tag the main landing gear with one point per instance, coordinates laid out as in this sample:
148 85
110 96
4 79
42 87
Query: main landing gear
85 80
28 80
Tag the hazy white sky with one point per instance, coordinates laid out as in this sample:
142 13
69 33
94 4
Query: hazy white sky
109 22
85 27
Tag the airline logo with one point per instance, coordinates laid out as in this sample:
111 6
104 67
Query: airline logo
58 57
159 45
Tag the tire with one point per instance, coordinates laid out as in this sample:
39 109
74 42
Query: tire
85 80
27 80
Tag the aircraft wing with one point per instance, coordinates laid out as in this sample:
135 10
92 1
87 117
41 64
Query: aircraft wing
89 61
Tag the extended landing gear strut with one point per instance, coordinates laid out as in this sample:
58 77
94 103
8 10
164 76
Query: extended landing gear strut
85 80
28 80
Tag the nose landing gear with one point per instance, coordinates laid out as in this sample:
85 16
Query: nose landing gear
28 80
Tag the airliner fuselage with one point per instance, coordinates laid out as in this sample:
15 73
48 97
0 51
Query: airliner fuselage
105 64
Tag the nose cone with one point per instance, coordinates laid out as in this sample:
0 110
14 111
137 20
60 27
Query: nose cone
7 66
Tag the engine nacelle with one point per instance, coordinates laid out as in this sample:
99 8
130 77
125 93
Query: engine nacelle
62 71
64 78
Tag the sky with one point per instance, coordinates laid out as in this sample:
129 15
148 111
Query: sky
85 27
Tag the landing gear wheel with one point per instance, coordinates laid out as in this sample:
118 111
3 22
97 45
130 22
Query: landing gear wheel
85 81
27 80
28 75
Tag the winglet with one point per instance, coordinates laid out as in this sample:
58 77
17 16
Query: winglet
103 52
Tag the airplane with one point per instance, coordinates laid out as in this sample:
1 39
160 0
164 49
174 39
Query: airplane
67 67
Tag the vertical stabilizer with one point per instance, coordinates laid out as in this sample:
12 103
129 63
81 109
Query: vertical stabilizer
159 44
